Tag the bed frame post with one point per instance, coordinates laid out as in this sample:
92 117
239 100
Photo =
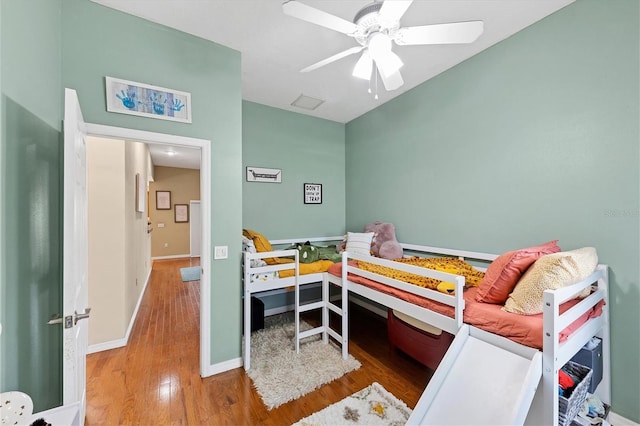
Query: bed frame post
325 308
297 300
247 314
345 307
550 367
604 389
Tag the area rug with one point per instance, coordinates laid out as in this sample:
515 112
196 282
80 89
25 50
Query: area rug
190 274
373 405
279 374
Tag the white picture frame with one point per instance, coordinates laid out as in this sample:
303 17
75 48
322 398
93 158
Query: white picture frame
262 174
146 100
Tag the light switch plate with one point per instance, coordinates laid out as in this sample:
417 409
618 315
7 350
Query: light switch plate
220 252
160 225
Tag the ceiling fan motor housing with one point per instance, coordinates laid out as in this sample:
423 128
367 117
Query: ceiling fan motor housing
367 10
368 22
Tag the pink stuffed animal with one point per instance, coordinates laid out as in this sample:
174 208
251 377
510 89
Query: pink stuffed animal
385 244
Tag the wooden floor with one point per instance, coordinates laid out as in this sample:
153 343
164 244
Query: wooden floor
155 378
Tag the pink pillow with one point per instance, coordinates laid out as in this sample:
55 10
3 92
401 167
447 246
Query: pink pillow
504 272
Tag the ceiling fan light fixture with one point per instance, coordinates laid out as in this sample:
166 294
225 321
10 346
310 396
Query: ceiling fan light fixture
390 62
379 45
364 66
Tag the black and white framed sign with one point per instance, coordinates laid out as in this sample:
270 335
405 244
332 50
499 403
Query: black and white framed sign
262 174
313 193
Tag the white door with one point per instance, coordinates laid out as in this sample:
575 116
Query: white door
195 230
75 292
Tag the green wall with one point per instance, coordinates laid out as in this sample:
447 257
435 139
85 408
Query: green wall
532 140
98 42
31 192
307 150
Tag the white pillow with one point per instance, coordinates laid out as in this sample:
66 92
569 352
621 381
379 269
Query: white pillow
359 243
550 272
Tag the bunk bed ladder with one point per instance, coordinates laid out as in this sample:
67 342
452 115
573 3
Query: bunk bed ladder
325 305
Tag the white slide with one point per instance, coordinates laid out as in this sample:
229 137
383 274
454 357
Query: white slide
483 379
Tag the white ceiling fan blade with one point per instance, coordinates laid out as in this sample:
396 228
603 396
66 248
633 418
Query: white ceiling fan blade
318 17
457 32
393 10
391 80
364 66
333 58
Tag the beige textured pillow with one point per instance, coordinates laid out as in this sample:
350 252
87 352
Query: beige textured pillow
359 242
550 272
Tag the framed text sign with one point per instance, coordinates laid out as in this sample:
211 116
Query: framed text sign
313 193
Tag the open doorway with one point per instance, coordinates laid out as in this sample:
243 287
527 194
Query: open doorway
175 182
166 141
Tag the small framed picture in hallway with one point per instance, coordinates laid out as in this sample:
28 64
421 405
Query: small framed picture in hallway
181 213
163 200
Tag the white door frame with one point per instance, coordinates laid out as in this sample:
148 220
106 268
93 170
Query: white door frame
205 209
199 222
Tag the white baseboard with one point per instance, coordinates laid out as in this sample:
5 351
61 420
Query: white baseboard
617 420
173 256
118 343
221 367
105 346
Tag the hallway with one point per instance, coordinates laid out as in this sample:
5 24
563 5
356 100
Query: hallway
151 378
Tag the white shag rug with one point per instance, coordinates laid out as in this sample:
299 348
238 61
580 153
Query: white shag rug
373 405
279 374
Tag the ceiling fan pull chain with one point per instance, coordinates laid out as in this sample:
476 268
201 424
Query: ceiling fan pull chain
376 96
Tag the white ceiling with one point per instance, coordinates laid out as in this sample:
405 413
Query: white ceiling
174 156
274 46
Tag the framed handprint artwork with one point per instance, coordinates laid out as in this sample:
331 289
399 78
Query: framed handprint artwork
145 100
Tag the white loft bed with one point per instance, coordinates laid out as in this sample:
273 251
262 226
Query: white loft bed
554 354
252 287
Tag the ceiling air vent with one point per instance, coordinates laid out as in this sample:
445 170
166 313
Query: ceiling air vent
307 102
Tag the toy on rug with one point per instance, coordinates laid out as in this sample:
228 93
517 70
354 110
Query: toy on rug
384 243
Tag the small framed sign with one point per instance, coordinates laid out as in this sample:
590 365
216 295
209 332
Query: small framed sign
261 174
313 193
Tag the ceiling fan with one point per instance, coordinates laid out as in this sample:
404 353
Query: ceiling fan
374 27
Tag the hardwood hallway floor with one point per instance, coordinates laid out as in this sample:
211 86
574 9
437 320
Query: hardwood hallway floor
155 379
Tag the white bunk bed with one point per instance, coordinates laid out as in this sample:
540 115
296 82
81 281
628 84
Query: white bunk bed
541 392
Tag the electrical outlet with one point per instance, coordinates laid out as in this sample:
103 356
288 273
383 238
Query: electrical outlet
221 252
166 245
